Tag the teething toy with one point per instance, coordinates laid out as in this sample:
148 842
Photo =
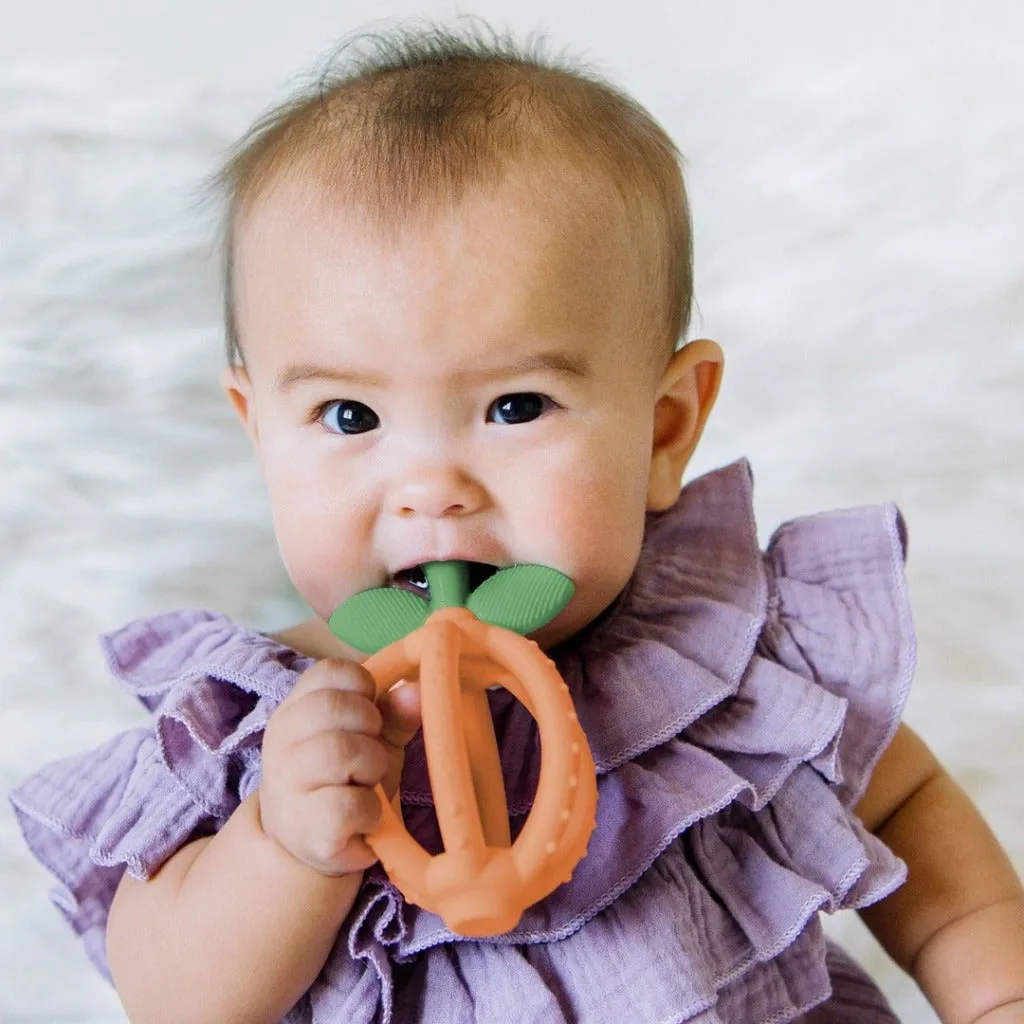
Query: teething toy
457 644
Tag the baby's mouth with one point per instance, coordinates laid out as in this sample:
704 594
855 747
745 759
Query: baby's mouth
415 578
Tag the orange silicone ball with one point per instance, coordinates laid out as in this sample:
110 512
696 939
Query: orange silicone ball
482 882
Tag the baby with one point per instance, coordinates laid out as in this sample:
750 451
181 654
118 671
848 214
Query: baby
457 278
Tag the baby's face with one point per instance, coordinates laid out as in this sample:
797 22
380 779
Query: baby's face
478 389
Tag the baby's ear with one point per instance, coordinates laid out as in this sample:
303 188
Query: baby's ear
684 400
237 386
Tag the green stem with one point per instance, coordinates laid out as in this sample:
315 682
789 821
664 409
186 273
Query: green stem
449 584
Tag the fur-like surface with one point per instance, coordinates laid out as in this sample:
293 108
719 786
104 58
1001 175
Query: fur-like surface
858 255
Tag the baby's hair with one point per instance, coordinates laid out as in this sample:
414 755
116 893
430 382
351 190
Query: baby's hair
405 121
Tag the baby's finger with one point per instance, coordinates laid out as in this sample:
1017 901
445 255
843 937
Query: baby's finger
402 714
336 821
333 674
335 758
324 709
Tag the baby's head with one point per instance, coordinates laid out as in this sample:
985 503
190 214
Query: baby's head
457 276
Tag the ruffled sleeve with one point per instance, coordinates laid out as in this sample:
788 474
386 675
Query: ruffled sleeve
133 802
839 616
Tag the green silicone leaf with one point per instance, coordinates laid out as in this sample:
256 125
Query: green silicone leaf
521 598
372 619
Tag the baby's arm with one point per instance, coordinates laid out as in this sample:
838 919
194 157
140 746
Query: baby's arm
231 930
957 924
235 927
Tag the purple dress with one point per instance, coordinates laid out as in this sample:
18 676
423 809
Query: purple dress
735 702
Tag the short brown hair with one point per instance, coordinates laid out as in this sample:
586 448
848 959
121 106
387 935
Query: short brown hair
407 119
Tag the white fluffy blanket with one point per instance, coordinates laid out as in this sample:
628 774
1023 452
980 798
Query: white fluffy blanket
859 256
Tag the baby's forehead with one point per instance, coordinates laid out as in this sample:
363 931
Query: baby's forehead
590 258
502 266
302 229
573 203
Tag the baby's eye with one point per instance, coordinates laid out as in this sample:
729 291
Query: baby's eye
520 407
348 417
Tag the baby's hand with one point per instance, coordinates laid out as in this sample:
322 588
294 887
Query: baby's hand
324 749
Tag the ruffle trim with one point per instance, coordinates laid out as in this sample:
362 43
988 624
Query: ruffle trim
136 800
735 702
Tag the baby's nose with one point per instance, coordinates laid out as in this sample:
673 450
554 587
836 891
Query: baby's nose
437 492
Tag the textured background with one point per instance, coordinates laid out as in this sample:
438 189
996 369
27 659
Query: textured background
859 218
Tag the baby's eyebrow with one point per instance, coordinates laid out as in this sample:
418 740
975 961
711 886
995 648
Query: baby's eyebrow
564 364
303 373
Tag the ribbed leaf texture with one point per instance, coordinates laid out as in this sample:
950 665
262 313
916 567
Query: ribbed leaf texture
521 598
371 620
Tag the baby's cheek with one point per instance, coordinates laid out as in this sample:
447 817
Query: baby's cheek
321 542
590 500
585 530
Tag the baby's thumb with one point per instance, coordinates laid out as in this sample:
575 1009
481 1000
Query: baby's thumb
400 708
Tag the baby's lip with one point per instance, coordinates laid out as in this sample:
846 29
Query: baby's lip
405 567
